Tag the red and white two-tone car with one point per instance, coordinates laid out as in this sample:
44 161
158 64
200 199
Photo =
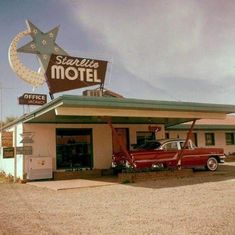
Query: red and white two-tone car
169 153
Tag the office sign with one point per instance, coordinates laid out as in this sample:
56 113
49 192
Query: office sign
33 99
67 73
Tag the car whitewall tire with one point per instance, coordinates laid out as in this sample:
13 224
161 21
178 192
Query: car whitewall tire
212 164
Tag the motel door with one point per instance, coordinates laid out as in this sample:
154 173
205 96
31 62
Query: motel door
74 149
123 135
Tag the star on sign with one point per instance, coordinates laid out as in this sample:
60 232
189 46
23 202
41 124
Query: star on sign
43 44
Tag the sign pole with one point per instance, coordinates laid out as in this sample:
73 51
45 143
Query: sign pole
51 96
15 157
1 104
102 88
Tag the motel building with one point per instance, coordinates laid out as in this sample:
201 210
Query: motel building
208 133
73 134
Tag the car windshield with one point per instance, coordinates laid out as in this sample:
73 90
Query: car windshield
149 145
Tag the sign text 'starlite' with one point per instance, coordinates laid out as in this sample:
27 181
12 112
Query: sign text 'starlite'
68 73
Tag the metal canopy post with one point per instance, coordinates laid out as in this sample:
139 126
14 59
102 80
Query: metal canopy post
185 144
121 144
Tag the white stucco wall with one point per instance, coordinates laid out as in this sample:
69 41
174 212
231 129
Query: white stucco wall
13 166
44 144
45 140
20 158
102 146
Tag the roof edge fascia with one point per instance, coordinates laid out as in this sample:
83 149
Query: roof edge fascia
72 100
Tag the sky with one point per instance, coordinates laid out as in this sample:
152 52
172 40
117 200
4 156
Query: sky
181 50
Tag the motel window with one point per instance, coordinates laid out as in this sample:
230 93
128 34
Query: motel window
144 136
210 138
229 138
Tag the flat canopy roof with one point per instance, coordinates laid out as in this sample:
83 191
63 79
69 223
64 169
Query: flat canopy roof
85 109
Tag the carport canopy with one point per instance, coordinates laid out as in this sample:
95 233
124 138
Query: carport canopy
74 109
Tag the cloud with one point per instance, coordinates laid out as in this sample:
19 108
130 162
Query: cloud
187 41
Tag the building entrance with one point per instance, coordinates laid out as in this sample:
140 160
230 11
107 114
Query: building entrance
74 149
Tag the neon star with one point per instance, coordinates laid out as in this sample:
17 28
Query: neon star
43 44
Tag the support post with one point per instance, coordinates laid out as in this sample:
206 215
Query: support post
121 144
185 144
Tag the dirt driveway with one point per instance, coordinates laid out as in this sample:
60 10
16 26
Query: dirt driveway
203 204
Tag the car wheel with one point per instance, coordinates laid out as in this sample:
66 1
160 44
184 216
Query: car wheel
212 164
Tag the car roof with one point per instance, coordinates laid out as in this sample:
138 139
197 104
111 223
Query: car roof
163 141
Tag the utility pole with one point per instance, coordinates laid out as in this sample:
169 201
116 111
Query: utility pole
1 103
1 126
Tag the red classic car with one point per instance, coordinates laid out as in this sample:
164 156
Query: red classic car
169 153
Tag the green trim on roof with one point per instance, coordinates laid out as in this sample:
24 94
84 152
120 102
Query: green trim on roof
47 119
185 127
127 103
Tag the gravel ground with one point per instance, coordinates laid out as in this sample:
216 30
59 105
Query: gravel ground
195 205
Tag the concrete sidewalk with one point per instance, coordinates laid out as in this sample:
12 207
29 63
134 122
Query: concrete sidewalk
75 183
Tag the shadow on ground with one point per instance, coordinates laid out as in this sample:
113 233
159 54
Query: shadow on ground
168 179
224 173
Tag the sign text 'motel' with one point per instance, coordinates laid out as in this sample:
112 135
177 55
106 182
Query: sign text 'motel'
33 99
67 73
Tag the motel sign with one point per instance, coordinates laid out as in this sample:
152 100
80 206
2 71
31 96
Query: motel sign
67 73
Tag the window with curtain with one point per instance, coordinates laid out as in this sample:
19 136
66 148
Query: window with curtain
229 137
210 139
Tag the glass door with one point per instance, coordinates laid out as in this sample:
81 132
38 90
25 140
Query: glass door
74 149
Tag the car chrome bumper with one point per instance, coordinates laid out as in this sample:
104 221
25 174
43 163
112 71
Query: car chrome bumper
114 164
222 158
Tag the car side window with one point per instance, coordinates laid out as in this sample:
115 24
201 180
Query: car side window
181 145
188 146
170 146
